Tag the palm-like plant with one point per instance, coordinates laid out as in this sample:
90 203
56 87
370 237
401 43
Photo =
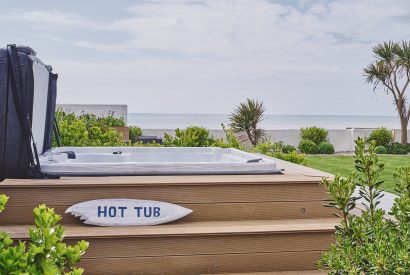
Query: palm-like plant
391 70
246 118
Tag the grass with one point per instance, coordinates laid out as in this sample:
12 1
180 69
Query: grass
343 165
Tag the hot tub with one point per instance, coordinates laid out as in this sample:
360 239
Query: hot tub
101 161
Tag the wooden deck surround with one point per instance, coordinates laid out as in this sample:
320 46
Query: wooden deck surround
240 223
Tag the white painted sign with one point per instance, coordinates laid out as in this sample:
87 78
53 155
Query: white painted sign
127 212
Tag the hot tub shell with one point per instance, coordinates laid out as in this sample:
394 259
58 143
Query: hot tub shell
97 161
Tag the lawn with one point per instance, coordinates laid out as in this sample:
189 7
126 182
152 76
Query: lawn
343 165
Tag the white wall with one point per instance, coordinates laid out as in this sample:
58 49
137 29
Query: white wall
342 139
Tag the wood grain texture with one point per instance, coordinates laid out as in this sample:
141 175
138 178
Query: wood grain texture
189 228
202 212
240 223
209 245
62 195
166 180
301 272
255 246
204 264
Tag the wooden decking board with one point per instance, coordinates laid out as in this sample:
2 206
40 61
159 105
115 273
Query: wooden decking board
175 194
203 264
165 180
246 223
193 228
293 173
302 272
208 245
201 212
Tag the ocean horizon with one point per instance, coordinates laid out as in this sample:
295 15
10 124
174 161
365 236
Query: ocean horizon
271 121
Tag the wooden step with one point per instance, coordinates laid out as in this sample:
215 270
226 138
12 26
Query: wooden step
201 247
212 198
301 272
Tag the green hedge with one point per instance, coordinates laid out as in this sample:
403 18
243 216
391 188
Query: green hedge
315 141
88 130
381 136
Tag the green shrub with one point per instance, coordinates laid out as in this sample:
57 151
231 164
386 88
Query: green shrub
3 201
381 136
380 149
315 134
286 148
265 148
109 120
369 243
291 157
46 253
397 149
192 136
276 150
231 140
325 148
268 147
73 132
308 147
88 130
135 132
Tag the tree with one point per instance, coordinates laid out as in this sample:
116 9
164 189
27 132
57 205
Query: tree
391 70
246 118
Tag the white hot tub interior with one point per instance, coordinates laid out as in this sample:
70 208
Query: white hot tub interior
153 160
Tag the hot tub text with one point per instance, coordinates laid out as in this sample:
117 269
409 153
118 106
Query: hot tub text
120 211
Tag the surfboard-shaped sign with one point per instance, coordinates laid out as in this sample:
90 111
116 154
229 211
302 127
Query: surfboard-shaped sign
127 212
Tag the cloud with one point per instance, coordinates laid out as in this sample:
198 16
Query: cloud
241 47
50 19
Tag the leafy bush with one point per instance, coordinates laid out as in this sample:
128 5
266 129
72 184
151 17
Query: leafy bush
315 134
325 148
369 243
88 130
276 150
231 140
286 148
381 136
135 132
291 157
3 201
73 132
46 253
308 147
109 120
192 136
380 149
268 147
397 149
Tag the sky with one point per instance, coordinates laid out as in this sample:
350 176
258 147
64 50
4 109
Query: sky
207 56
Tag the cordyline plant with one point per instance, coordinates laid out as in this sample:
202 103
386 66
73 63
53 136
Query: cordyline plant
246 118
46 253
370 243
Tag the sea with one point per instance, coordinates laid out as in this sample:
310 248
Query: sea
271 122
